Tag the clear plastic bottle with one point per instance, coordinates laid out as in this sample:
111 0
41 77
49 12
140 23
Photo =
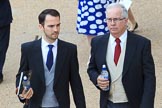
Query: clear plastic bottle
105 75
26 83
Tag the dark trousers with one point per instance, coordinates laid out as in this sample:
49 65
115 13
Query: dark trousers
26 106
4 43
49 107
118 105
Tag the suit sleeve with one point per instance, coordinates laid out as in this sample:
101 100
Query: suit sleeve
23 64
75 81
149 78
92 66
23 67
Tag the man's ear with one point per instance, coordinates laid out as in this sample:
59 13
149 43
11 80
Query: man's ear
126 21
40 26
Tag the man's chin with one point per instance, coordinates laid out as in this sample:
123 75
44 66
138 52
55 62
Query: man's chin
54 36
113 32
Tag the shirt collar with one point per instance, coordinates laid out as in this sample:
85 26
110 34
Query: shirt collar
122 38
45 43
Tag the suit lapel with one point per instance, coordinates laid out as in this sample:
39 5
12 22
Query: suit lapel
130 49
61 51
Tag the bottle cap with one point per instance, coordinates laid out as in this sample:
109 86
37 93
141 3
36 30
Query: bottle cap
104 66
25 78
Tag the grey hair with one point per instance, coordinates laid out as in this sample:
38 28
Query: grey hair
124 13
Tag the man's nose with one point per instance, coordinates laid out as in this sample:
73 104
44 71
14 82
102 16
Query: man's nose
55 28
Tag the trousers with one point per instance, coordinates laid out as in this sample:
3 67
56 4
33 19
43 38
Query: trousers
118 105
4 43
26 106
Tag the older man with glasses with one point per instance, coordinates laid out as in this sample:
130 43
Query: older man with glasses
129 62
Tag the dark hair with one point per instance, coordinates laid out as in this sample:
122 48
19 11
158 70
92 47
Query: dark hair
46 12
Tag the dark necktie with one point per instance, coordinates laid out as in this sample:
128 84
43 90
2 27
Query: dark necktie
49 61
117 51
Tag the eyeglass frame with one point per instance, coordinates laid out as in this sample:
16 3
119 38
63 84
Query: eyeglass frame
115 20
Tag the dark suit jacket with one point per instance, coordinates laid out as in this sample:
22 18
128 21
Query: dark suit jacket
5 13
138 76
66 71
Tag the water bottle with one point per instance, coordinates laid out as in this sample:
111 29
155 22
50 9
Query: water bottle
105 75
26 83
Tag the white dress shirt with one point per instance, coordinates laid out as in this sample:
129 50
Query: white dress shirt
122 38
45 49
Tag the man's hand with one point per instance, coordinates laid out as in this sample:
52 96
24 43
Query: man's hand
102 83
27 94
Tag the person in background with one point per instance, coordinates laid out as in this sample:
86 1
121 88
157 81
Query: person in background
5 21
133 25
54 65
91 18
129 62
132 21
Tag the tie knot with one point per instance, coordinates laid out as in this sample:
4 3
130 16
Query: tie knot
117 40
50 47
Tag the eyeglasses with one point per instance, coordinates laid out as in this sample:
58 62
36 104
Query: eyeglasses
115 20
